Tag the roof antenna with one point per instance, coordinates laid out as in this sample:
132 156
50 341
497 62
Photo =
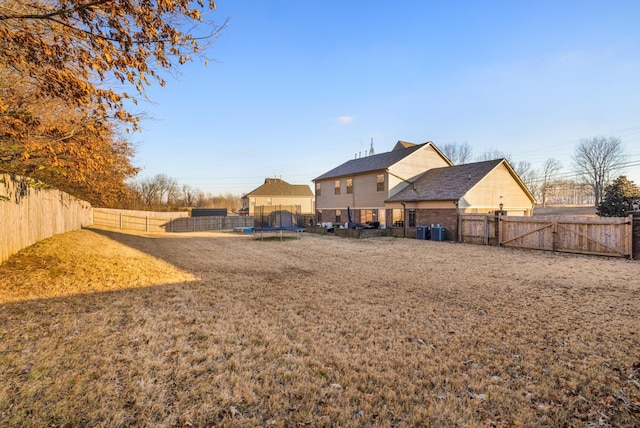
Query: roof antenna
371 152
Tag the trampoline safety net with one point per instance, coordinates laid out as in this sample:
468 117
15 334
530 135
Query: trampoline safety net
277 217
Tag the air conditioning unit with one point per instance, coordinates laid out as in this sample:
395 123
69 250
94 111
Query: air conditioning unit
423 232
438 233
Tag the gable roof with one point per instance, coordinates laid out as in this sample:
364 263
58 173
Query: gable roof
450 182
402 145
377 162
279 187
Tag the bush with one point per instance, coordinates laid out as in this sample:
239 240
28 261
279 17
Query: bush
619 198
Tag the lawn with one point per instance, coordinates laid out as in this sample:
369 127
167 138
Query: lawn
100 328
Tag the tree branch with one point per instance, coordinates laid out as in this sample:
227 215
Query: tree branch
55 12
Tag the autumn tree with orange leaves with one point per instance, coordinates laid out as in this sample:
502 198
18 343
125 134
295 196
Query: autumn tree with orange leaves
65 66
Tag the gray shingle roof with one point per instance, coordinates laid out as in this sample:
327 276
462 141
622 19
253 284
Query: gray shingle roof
446 183
372 163
279 187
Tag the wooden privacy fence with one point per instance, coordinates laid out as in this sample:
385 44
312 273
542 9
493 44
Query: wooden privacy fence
165 222
477 229
30 212
608 236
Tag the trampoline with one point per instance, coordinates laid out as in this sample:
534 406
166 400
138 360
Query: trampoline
277 221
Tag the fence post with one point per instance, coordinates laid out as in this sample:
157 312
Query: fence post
498 232
486 230
120 221
635 235
146 224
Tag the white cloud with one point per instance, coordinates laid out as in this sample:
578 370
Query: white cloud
343 120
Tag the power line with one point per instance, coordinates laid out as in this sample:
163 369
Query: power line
576 173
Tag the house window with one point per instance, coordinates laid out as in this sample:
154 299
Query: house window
253 202
319 216
380 182
412 218
318 188
337 187
366 216
349 185
338 216
397 217
269 201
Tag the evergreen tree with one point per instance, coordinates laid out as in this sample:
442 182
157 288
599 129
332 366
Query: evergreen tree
619 197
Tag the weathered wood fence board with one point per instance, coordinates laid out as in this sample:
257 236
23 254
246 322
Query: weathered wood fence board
30 212
609 236
165 222
477 229
527 232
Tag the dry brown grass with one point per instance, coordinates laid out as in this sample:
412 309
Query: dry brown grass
101 328
566 210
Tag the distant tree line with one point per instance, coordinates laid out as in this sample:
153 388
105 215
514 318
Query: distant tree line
163 193
596 162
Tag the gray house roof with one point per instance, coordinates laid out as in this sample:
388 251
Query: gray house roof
446 183
279 187
374 162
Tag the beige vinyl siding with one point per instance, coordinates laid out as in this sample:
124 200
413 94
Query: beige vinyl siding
329 200
394 185
498 186
365 193
412 166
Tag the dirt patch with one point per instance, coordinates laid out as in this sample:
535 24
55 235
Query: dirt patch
101 328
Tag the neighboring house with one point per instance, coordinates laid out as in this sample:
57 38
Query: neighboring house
364 184
439 195
275 192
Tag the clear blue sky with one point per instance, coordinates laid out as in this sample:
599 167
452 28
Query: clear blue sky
299 87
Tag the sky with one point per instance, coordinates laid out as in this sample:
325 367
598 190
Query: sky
296 88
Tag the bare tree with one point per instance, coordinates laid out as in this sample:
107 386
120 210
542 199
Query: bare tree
522 168
549 170
493 154
457 153
148 192
173 193
188 196
154 192
527 174
163 185
597 159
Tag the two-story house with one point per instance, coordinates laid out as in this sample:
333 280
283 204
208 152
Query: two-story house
275 192
363 185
